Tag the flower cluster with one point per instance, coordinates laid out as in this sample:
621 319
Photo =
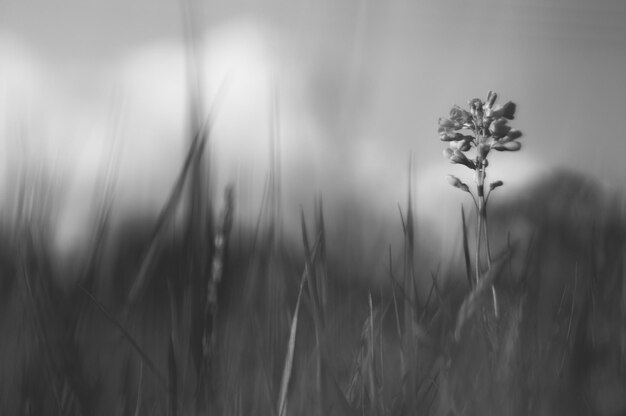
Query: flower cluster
483 127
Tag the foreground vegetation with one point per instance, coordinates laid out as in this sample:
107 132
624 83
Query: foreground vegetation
184 318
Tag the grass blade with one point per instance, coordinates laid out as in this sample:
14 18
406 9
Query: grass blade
128 337
466 253
284 384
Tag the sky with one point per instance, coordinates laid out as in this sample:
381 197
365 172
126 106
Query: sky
358 86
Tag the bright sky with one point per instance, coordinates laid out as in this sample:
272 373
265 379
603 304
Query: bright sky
361 84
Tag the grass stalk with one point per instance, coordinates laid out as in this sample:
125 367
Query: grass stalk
289 356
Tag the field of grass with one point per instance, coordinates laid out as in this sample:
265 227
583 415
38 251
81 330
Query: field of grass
202 316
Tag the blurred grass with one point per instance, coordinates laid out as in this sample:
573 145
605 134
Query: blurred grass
277 330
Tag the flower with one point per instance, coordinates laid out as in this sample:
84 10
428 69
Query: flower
499 127
491 99
448 136
462 145
507 111
476 107
460 116
486 125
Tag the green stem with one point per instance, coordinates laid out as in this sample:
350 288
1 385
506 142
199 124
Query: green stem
481 208
482 228
493 288
486 231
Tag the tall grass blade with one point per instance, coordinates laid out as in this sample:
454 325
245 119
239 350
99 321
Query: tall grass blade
466 253
196 149
172 379
139 390
474 299
291 345
162 381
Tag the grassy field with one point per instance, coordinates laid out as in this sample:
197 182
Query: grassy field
203 316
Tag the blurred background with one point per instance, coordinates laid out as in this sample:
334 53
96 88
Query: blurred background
354 87
330 98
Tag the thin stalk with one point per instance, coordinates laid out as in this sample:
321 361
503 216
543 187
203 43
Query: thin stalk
486 231
493 288
480 180
482 228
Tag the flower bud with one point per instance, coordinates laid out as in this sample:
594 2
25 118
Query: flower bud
507 147
446 123
456 182
463 145
513 135
448 136
458 157
476 107
495 185
483 150
491 99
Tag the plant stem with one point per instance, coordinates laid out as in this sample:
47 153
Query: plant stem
480 179
493 288
482 227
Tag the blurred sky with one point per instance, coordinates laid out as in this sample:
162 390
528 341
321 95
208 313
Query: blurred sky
360 86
